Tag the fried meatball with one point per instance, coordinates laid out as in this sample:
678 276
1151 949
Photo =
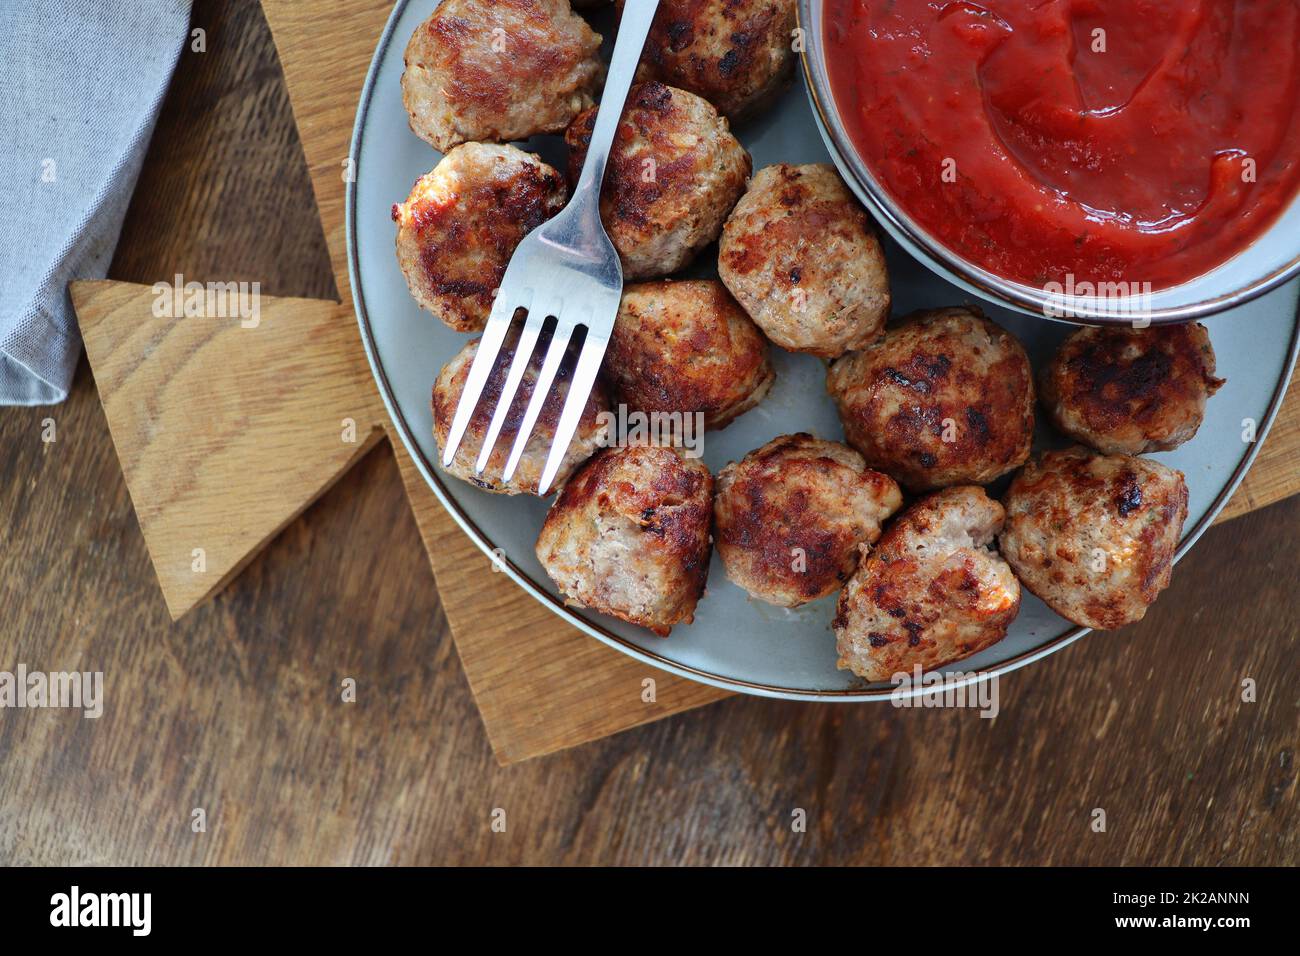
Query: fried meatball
931 592
1126 391
687 347
498 70
1094 536
674 173
791 516
944 398
737 54
591 433
459 227
629 536
800 255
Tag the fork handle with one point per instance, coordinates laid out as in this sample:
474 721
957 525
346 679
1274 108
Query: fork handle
633 28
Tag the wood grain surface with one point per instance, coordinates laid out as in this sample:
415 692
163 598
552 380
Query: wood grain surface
226 431
237 708
226 428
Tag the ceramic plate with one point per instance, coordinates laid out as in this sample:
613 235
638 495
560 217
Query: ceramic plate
737 643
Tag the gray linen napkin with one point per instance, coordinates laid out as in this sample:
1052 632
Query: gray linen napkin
81 82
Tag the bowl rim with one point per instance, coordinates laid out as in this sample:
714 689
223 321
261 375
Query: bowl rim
434 479
950 265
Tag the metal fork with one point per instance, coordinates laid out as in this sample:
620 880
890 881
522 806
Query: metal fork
566 269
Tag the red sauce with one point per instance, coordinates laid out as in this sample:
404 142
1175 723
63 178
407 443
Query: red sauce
1153 161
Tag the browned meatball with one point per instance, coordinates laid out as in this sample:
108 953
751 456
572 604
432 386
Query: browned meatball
946 397
687 347
799 254
931 592
498 70
737 54
629 536
460 226
1126 391
791 516
1094 536
674 173
590 435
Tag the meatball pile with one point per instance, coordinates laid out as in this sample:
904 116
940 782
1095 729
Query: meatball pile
629 536
940 402
792 515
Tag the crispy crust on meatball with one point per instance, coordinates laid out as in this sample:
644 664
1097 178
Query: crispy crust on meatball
674 173
687 347
791 516
800 255
498 70
1093 535
931 592
459 227
1127 391
629 536
737 54
946 397
591 433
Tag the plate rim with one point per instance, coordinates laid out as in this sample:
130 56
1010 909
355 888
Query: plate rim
557 607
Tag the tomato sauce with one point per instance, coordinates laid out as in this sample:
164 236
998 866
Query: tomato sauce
1144 141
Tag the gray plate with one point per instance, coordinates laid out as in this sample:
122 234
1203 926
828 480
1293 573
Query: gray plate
737 643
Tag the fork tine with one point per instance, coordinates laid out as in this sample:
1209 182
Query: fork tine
541 389
518 366
489 345
584 378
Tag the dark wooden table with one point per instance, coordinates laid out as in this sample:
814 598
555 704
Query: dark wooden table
236 709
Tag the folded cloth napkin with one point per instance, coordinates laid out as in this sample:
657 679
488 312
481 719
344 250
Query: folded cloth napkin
81 82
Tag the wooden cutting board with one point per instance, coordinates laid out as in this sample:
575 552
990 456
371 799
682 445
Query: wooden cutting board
226 433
